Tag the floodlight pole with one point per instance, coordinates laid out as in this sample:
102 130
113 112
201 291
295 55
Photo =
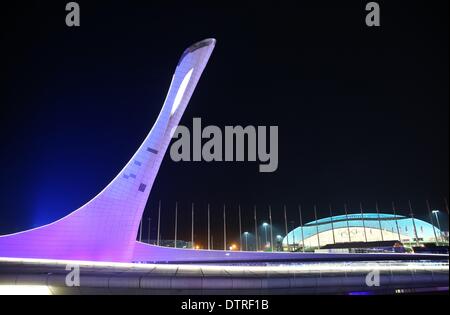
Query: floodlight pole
301 226
140 230
396 221
246 241
348 225
149 230
317 227
332 224
363 222
240 228
431 218
437 220
192 226
414 222
256 230
265 234
176 222
286 229
159 223
224 228
271 227
209 230
379 220
436 212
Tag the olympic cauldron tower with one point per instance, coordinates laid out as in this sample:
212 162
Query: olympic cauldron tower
105 228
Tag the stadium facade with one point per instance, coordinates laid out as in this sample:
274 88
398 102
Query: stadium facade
367 227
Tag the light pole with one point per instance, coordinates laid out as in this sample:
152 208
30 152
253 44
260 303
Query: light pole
431 220
240 230
265 225
256 231
332 225
224 228
176 227
363 222
436 212
317 226
192 225
286 228
348 226
140 231
271 228
149 230
279 240
301 226
159 223
209 230
414 222
379 220
246 242
396 222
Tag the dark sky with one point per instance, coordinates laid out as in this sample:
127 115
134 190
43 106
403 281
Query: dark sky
362 112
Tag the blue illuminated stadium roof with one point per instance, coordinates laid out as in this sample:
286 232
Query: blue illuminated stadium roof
388 222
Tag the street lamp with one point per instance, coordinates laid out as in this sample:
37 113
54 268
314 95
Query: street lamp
265 225
246 237
280 239
436 212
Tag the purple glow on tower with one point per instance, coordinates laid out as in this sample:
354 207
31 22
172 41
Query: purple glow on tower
105 228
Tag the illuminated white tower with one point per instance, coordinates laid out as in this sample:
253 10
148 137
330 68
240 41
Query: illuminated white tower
105 228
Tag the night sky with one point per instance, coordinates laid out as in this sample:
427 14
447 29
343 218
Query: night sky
362 112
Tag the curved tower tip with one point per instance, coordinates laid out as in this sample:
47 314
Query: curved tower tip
208 42
202 43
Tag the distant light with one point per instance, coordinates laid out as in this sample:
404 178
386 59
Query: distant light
435 211
197 247
24 290
265 224
246 233
279 236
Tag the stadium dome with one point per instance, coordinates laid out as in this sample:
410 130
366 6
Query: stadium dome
370 227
